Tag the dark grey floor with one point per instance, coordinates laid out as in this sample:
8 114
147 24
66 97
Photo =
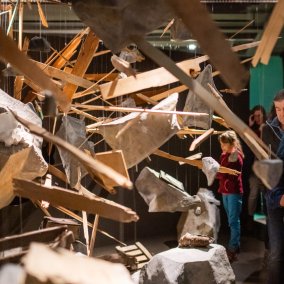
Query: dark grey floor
248 269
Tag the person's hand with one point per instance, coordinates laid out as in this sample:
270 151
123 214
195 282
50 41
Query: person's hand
251 120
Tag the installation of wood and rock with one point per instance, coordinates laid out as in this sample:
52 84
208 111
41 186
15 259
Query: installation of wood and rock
62 85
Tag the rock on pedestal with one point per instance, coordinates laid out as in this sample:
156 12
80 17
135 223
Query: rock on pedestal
189 265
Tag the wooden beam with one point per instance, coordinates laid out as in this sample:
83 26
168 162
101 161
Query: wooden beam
195 163
157 77
196 142
198 21
65 76
131 109
84 59
70 199
10 53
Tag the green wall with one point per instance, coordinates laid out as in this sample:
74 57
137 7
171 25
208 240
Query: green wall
265 82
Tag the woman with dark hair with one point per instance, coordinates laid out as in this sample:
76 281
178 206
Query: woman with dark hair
273 136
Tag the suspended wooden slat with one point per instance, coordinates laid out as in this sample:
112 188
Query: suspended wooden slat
70 199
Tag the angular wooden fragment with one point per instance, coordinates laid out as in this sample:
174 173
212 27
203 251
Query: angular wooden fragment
70 199
114 159
201 139
197 19
84 59
10 53
157 77
23 164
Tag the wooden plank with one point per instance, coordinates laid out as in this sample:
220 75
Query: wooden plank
23 240
114 159
65 76
270 34
198 21
157 77
91 165
195 163
201 139
10 53
131 109
72 200
19 80
84 59
41 14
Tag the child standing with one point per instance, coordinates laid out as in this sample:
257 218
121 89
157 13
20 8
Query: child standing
231 188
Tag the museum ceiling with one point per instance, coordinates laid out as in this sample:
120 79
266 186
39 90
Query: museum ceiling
240 21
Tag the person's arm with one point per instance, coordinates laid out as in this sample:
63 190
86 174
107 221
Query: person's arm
282 201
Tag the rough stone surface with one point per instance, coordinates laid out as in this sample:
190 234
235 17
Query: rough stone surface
162 196
73 131
195 104
210 167
268 171
189 265
117 21
144 135
205 221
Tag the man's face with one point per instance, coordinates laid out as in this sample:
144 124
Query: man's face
279 107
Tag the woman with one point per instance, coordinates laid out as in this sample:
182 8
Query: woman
231 188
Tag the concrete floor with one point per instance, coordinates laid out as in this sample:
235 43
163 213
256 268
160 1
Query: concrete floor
248 269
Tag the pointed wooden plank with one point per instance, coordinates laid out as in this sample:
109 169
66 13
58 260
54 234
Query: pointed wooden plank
198 21
201 139
10 53
270 34
23 240
41 15
90 164
70 199
157 77
65 76
19 80
114 159
20 34
132 109
67 52
84 59
195 163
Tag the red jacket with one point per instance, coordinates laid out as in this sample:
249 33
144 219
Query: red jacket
231 183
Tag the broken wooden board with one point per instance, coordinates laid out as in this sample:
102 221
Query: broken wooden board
270 35
157 77
196 142
91 165
114 159
9 52
65 76
18 244
86 54
135 256
195 163
198 21
70 199
24 164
